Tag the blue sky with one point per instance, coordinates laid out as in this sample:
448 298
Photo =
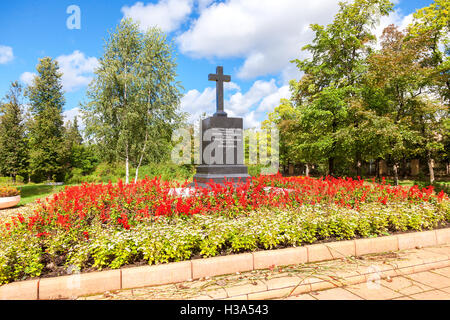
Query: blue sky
253 39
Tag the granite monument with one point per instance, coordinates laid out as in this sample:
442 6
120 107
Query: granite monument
221 143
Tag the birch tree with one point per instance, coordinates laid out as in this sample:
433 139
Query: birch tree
134 97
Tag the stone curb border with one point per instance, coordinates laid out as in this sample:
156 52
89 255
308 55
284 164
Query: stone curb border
71 286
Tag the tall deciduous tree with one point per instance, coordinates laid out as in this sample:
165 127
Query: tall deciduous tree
428 121
333 73
399 70
46 100
13 147
134 97
433 21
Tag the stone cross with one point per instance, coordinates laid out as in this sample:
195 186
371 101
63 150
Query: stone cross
220 78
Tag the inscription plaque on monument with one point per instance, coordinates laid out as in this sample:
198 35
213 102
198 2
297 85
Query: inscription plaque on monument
221 142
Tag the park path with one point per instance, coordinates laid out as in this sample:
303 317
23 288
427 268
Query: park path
427 285
361 278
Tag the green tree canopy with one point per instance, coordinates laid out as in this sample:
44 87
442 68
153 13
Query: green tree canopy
332 77
13 147
134 97
46 100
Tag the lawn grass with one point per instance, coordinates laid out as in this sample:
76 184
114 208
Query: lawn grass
410 183
31 192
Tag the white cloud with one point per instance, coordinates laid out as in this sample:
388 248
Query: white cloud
291 72
27 78
266 33
195 103
231 86
252 105
77 70
406 21
203 4
239 104
6 54
273 100
166 14
251 121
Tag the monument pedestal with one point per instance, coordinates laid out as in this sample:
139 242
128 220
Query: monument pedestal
218 174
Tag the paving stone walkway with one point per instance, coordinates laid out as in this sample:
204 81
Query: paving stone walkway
428 285
391 275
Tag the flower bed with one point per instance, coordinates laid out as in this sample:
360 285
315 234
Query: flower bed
97 226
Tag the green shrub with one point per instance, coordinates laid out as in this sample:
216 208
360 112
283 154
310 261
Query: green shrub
7 181
75 176
167 171
442 186
20 258
106 172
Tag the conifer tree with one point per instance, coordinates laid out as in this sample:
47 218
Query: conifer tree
13 148
46 99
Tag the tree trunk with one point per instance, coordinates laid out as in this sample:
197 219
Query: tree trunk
127 170
358 162
377 169
137 173
127 164
330 166
307 170
141 157
395 167
404 171
358 168
430 167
